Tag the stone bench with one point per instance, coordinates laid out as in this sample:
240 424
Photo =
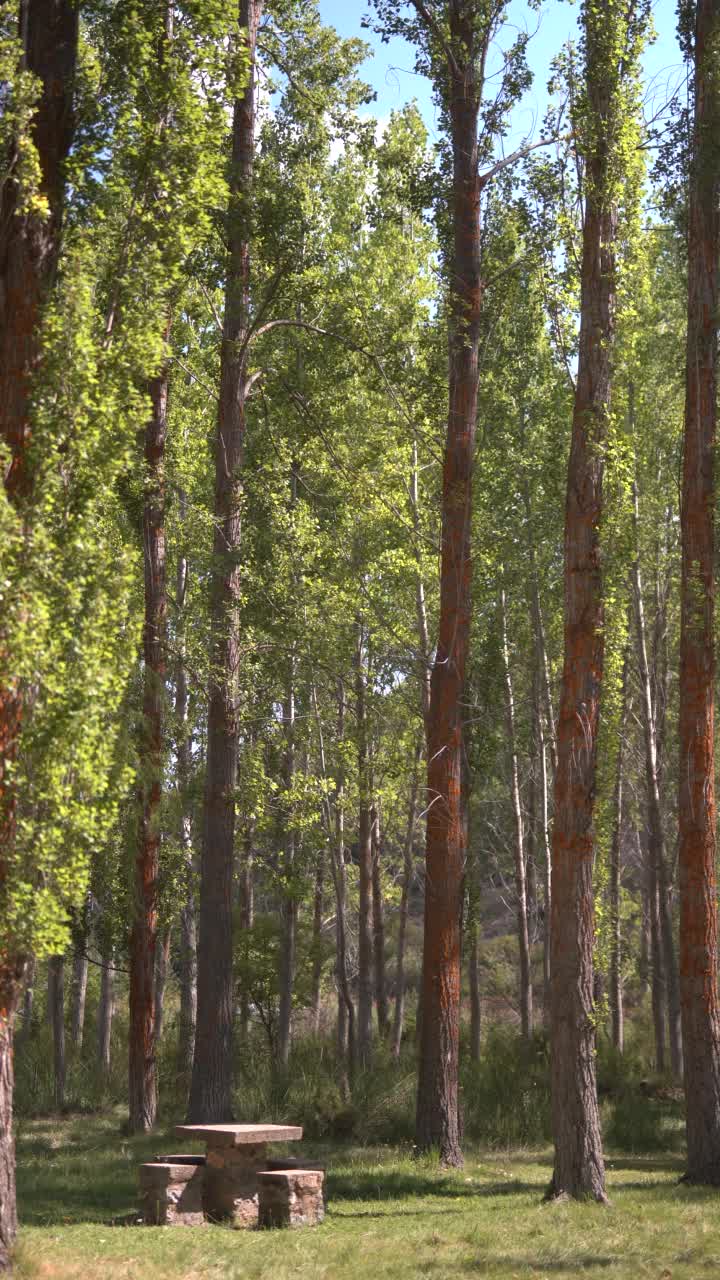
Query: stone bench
290 1197
171 1191
292 1163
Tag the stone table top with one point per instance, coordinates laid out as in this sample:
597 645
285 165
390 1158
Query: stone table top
236 1135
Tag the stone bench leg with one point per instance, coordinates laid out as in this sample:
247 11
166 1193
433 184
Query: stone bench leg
290 1198
171 1195
230 1190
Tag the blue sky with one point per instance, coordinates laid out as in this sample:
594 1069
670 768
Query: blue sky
389 69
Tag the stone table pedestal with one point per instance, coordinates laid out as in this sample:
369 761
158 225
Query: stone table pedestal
236 1154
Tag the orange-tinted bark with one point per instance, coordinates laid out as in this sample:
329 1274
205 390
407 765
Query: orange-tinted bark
437 1121
579 1168
697 814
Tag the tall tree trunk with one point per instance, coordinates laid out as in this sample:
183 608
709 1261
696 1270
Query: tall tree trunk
378 916
616 992
106 1011
698 902
657 966
346 1029
183 748
288 907
365 922
547 860
526 1001
437 1117
162 964
408 869
56 1004
644 957
656 832
246 914
318 904
28 1003
474 981
29 248
579 1167
142 1096
79 993
210 1090
538 623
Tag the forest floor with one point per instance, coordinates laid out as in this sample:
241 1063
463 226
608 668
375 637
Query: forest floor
389 1216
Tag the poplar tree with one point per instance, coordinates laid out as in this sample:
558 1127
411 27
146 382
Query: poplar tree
697 813
612 38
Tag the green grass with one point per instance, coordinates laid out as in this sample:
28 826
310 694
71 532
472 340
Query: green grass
389 1217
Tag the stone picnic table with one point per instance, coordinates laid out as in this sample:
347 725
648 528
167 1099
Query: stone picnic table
236 1154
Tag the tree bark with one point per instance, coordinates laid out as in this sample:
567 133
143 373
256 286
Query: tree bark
246 914
162 964
475 1006
106 1011
56 1004
288 906
656 831
142 1094
211 1087
526 994
318 905
378 916
79 993
28 1004
365 915
657 967
579 1167
698 904
437 1119
408 870
183 748
616 992
346 1028
547 860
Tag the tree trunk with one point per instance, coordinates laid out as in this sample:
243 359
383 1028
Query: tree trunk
79 993
657 966
475 1007
106 1011
644 957
29 248
56 1004
378 916
28 1002
539 626
142 1096
365 922
547 861
526 1002
437 1117
346 1030
318 904
210 1090
183 749
246 915
162 964
616 994
288 906
698 903
656 832
408 869
579 1167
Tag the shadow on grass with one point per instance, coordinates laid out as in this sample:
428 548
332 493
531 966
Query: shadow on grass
505 1266
396 1184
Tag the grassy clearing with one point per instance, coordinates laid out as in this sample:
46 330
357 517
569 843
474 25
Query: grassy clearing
389 1217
